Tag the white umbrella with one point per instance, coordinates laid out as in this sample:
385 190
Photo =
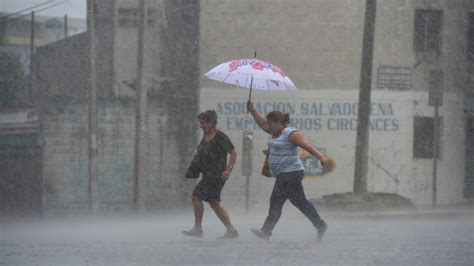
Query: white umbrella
253 74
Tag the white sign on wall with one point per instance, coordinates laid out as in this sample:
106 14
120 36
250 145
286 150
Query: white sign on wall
328 119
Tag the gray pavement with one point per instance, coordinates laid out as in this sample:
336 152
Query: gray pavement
389 238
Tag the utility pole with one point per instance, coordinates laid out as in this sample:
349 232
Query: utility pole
435 99
32 51
65 27
140 123
93 178
247 165
247 151
363 115
435 154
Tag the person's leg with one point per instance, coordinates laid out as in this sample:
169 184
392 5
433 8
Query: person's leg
222 214
298 198
198 213
277 200
198 206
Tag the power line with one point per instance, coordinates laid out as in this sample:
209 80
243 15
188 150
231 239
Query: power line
26 9
37 11
60 3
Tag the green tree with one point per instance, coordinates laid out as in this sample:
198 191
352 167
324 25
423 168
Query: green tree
12 81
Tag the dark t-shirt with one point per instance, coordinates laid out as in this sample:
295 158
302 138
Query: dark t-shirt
213 154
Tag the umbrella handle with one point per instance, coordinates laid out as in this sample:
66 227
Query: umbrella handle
250 92
251 80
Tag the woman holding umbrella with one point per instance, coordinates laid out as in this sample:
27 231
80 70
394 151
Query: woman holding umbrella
286 165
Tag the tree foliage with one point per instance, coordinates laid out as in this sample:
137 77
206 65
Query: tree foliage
12 81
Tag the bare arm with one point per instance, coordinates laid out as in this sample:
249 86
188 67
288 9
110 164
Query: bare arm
261 121
298 139
230 166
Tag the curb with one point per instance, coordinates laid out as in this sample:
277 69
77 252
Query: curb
405 215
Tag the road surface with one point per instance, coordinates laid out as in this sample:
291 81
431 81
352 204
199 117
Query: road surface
157 240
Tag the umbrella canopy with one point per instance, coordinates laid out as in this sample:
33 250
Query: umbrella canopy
252 73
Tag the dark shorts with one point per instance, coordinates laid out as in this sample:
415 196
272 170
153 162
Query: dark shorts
209 188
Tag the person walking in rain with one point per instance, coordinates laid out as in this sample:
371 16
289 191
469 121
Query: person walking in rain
210 159
285 164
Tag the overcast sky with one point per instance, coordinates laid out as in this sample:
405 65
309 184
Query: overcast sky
72 8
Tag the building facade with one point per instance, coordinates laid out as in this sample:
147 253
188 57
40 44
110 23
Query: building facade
418 45
62 77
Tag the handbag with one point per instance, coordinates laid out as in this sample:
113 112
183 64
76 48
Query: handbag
266 168
194 169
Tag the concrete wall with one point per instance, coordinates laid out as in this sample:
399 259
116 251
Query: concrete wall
66 160
61 68
328 119
173 103
318 44
125 49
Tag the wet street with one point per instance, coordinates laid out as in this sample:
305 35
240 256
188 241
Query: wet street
154 240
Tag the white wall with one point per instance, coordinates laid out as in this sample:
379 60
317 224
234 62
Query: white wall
329 127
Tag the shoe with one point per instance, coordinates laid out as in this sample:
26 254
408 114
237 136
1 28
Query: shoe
260 233
322 229
229 235
193 233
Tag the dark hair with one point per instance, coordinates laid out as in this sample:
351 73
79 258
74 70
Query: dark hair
279 117
209 116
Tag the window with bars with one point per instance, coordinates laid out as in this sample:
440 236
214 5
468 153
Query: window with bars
424 138
128 17
470 38
428 28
